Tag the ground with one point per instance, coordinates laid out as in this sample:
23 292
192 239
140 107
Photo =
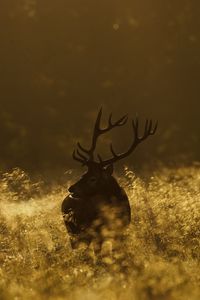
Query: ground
160 258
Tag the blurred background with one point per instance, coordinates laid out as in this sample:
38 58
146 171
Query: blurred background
62 60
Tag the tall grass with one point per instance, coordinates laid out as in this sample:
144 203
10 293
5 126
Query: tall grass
160 258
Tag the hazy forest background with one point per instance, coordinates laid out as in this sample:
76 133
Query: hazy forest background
61 60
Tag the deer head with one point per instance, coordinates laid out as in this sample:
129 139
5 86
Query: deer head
99 175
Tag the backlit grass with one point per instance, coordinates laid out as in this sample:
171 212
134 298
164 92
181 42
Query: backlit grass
160 258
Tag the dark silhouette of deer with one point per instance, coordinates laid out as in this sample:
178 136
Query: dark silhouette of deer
97 208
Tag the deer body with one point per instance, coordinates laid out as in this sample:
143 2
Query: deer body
97 208
97 204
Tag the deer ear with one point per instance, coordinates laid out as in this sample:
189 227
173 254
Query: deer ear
109 169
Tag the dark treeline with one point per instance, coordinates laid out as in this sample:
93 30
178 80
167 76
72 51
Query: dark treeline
61 60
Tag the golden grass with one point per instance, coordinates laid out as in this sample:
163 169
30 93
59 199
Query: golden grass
159 260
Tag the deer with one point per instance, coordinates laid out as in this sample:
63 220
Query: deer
97 207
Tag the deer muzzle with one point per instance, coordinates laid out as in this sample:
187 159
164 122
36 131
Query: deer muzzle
74 191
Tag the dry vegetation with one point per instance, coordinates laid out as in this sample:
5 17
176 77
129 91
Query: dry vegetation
159 260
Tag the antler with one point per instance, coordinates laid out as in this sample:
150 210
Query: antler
88 155
149 130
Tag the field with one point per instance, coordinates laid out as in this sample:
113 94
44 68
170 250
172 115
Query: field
160 258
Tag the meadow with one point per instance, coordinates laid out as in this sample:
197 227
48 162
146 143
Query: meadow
158 260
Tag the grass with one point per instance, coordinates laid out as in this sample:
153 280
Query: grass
159 260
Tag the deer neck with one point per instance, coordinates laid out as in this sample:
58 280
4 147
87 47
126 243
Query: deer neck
114 190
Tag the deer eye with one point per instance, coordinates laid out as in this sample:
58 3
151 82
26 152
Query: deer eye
93 179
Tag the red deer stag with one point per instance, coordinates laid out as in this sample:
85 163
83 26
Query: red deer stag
97 208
